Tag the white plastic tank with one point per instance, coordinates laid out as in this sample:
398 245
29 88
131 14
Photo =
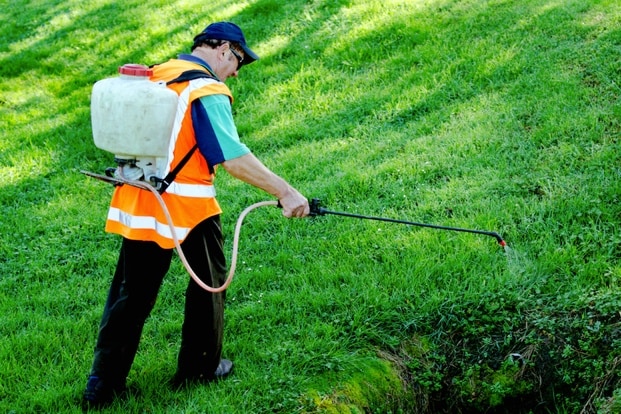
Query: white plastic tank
131 116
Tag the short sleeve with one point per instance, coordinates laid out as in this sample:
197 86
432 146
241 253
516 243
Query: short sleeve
215 130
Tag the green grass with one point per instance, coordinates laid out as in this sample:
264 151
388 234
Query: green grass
493 115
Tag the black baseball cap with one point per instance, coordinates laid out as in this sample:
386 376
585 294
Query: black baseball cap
227 31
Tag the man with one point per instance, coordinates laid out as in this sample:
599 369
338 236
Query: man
204 119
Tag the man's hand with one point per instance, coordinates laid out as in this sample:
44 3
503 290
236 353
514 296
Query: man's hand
294 204
252 171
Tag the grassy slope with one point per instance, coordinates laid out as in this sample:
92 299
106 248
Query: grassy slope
494 115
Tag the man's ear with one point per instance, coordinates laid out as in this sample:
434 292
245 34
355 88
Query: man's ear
225 47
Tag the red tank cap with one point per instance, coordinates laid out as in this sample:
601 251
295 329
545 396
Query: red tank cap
134 69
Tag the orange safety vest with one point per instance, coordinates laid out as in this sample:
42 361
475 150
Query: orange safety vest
135 213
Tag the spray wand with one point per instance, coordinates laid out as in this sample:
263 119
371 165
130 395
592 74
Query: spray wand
317 210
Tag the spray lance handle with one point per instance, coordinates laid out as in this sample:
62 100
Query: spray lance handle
316 209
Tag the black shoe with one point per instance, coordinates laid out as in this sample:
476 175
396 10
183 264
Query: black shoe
100 393
180 380
225 367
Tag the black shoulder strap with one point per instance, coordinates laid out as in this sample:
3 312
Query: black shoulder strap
186 76
173 174
189 75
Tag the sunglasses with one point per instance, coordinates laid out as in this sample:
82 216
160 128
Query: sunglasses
239 57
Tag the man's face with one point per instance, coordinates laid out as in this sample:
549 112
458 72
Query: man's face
230 62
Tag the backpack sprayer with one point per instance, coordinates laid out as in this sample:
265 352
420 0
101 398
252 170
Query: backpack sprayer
133 118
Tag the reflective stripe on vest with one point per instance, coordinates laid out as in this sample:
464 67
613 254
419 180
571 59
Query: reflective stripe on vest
184 99
192 190
146 223
182 107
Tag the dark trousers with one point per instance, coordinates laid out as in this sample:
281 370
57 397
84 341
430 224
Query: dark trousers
140 270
